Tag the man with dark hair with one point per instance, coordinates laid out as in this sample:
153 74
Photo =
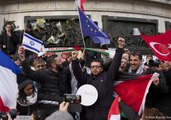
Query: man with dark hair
52 81
102 81
39 64
136 64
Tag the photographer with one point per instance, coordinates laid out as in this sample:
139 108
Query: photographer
10 115
62 114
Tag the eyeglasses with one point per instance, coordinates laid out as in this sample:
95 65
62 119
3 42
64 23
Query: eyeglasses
95 66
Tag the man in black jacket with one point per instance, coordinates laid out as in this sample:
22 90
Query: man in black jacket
52 80
102 81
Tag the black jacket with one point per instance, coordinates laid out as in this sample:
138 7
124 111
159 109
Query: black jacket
156 92
163 99
104 85
11 43
53 85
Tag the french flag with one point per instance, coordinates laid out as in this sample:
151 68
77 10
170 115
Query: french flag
8 83
80 3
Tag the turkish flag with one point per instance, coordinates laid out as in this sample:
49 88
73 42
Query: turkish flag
160 45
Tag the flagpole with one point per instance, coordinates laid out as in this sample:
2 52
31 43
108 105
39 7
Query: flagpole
81 26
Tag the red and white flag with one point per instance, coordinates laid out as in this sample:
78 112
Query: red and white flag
8 83
160 45
132 93
80 3
114 112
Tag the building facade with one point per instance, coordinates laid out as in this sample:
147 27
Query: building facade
115 17
16 10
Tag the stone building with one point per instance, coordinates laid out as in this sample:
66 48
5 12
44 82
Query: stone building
115 17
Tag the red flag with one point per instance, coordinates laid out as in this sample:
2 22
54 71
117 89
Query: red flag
133 93
160 45
114 112
81 4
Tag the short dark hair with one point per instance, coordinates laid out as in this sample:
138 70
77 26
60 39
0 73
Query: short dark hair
137 53
39 115
98 60
7 23
149 55
50 60
39 60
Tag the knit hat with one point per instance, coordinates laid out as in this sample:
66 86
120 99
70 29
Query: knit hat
22 81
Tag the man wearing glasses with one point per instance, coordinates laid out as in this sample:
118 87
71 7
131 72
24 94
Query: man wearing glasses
102 81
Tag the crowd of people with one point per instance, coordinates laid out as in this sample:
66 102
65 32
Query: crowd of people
43 82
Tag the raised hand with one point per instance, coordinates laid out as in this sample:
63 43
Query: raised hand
21 53
74 55
121 42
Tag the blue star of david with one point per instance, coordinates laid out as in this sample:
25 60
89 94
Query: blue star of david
31 43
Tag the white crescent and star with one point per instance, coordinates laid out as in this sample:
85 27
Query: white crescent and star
155 43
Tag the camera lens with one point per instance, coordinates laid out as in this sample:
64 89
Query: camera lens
3 116
13 113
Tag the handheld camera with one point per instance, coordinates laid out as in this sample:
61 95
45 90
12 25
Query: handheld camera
72 98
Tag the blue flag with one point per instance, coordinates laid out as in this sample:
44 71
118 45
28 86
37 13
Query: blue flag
8 83
90 29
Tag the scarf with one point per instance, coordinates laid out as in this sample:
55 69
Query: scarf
140 69
74 82
30 100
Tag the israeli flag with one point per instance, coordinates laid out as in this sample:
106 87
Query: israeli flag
31 43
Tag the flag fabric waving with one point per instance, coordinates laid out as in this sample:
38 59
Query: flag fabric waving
114 112
31 43
133 93
8 83
90 29
160 45
80 3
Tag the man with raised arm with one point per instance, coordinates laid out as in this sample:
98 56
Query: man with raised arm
102 81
